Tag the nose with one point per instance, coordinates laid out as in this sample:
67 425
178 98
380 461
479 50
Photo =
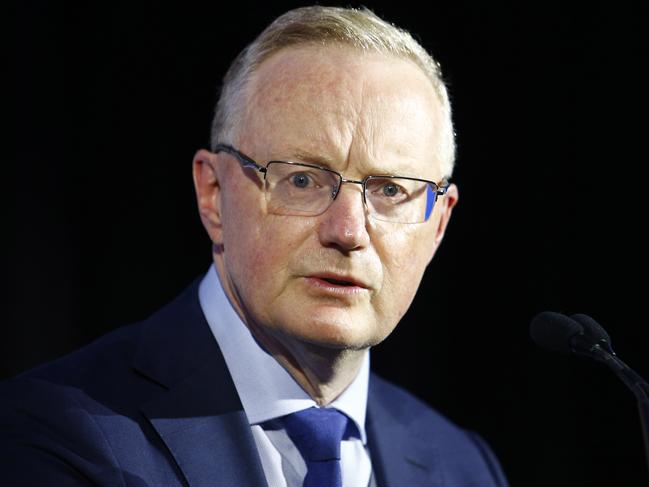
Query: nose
343 225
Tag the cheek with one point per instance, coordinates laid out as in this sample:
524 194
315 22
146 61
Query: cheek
258 253
405 255
242 232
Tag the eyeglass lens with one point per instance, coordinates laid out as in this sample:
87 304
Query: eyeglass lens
294 189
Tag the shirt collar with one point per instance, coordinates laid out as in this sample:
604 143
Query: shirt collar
267 391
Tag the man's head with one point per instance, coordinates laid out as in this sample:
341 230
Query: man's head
339 89
359 30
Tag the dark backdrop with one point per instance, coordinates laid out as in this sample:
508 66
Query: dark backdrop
550 107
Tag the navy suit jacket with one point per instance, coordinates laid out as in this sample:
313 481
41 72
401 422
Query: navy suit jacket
153 404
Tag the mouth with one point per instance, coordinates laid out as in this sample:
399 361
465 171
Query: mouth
338 284
340 279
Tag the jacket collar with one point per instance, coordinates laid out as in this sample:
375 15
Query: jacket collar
198 415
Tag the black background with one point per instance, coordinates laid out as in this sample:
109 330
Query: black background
550 106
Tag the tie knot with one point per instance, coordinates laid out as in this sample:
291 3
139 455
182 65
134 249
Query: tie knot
317 432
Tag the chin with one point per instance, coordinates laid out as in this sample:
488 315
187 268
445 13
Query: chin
335 334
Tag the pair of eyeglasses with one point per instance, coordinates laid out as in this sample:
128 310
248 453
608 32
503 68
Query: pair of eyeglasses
294 188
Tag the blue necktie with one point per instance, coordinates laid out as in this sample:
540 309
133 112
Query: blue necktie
317 433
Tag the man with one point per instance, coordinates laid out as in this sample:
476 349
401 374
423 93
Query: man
325 195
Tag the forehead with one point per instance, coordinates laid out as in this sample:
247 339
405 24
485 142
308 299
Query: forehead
366 111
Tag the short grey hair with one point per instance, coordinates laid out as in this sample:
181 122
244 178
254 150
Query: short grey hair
357 28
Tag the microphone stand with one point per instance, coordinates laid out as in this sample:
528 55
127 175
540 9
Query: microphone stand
643 407
633 381
641 391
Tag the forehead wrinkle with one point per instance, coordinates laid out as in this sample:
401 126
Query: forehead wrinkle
395 150
371 145
323 146
357 131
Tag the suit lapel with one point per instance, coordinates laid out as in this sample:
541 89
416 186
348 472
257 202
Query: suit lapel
199 415
398 456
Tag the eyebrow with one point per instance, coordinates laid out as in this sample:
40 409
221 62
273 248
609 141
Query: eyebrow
316 159
324 161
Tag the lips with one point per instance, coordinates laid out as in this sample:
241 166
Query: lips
340 280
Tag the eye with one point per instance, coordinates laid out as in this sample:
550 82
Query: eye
393 191
300 180
390 189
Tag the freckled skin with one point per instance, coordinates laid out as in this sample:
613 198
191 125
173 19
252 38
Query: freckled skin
368 114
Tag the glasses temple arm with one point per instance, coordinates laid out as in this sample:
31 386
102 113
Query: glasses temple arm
243 159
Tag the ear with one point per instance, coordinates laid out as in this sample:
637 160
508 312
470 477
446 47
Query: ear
208 193
446 204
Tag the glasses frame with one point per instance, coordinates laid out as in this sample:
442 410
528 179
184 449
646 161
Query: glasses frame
440 189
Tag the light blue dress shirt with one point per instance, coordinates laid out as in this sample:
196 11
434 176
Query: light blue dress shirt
268 391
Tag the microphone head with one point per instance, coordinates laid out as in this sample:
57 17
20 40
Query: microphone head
592 329
554 331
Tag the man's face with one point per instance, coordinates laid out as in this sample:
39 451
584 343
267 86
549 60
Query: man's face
340 279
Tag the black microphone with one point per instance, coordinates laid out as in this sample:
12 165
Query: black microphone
581 335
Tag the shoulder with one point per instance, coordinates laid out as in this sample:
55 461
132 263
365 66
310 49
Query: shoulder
48 430
83 372
107 368
61 421
91 416
413 413
462 454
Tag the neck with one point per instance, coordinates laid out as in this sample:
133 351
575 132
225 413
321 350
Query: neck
323 372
